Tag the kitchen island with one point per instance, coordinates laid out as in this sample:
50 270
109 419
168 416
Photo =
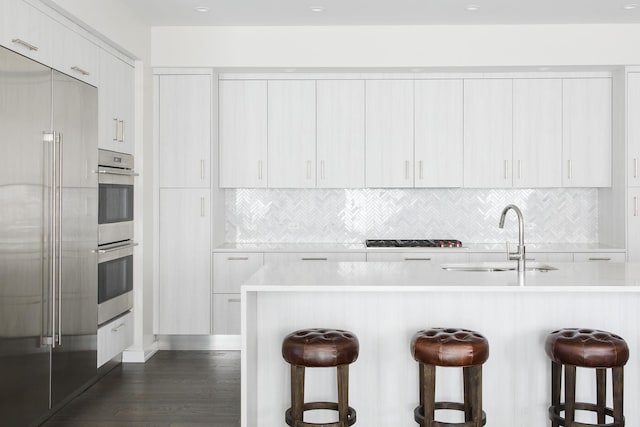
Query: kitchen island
385 303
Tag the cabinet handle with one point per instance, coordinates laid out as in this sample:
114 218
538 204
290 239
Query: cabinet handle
234 299
506 169
117 328
321 169
313 259
238 258
599 259
635 168
420 170
519 169
308 169
202 170
260 170
116 130
202 206
417 259
530 259
406 169
121 139
25 44
635 205
80 70
570 169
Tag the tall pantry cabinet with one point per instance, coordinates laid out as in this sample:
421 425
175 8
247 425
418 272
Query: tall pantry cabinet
633 157
184 123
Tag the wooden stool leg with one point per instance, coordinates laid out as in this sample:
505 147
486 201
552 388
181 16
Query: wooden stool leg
569 394
556 384
618 394
601 392
343 395
472 381
428 393
297 394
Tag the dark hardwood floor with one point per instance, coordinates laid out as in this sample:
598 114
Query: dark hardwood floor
173 389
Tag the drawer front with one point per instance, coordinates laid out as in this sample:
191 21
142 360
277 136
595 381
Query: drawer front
226 314
531 256
601 257
114 337
231 270
314 257
435 257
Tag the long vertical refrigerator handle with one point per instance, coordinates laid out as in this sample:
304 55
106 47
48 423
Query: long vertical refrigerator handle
59 168
50 138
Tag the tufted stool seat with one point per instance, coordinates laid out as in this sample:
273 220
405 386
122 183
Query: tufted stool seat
320 348
586 348
450 347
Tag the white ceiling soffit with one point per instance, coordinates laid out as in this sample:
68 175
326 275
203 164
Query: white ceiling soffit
384 12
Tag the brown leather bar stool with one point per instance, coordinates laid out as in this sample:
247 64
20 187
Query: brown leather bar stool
450 347
586 348
320 348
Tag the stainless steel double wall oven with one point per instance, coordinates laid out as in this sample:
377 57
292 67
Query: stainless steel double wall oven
115 234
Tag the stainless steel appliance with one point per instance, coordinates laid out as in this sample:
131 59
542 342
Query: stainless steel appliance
48 236
419 243
115 205
115 280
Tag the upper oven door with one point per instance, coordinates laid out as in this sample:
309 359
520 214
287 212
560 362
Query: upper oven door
115 205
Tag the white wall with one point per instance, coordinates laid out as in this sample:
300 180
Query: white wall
113 21
395 46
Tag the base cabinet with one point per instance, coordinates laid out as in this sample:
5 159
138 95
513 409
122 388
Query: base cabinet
114 337
226 314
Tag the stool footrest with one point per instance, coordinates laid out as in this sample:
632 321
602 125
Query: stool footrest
310 406
554 415
418 415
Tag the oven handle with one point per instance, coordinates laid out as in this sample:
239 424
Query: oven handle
116 248
117 172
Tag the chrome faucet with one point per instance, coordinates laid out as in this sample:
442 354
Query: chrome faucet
520 254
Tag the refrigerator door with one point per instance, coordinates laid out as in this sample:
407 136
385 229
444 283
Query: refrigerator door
74 357
25 113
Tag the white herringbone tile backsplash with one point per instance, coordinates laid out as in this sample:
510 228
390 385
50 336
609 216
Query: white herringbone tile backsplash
349 216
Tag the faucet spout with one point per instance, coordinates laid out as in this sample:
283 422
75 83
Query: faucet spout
520 254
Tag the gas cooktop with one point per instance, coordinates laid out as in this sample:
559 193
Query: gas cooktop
426 243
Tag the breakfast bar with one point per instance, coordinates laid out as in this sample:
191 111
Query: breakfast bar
385 303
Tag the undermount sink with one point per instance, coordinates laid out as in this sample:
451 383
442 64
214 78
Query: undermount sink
496 266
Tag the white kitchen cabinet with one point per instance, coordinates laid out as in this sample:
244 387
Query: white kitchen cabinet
291 133
602 256
389 133
488 126
114 337
74 55
438 133
633 129
243 133
431 256
633 224
340 133
115 104
184 289
26 30
226 314
184 136
537 133
280 257
586 132
231 269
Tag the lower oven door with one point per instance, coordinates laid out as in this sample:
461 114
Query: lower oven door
115 280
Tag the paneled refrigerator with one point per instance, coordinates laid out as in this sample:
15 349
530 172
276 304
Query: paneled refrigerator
48 237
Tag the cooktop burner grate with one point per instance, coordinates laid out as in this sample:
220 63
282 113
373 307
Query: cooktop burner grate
418 243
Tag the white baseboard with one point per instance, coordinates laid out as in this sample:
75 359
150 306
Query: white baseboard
199 342
136 356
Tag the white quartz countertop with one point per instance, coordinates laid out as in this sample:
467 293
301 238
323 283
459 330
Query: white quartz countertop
412 277
360 247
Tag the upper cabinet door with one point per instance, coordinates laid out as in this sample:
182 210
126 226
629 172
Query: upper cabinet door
389 133
633 129
292 133
243 133
537 133
438 128
75 55
340 133
115 104
586 132
488 133
26 30
184 130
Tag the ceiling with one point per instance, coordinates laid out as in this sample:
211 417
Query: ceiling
384 12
